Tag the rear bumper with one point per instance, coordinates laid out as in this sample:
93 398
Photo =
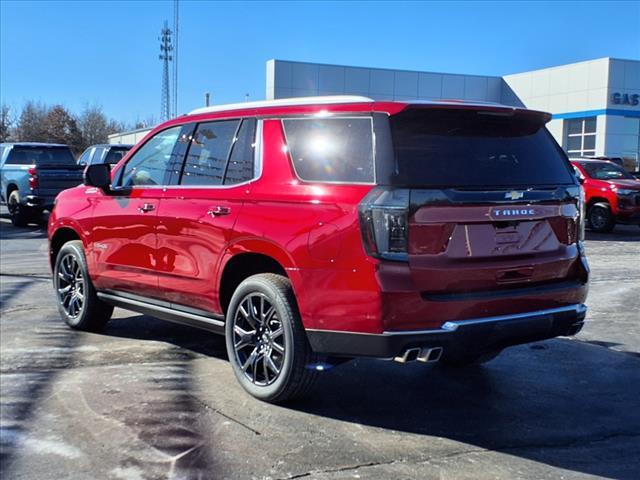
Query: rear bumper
37 201
478 335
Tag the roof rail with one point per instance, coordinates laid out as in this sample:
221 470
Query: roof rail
284 102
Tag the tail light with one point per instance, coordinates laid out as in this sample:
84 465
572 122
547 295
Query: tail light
33 178
384 223
581 216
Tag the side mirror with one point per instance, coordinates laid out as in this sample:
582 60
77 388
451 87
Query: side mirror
98 175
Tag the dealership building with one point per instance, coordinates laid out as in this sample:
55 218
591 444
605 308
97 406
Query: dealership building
595 104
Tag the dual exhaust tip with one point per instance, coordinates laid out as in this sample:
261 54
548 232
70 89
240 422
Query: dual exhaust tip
424 355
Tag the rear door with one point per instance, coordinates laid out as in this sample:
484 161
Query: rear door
123 237
493 202
199 209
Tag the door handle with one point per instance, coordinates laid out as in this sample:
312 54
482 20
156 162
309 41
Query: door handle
146 207
219 211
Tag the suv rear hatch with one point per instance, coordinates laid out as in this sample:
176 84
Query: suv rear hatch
479 200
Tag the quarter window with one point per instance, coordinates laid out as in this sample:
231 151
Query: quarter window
580 140
331 149
148 165
207 157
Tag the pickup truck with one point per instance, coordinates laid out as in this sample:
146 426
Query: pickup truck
32 175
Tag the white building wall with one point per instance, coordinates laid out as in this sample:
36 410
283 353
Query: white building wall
295 79
131 137
623 131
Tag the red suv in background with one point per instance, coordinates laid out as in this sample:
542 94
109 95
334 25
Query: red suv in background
309 231
612 195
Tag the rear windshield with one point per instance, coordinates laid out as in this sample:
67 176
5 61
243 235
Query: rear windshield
469 148
605 171
40 156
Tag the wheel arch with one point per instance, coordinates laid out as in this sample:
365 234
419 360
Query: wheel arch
237 267
600 201
10 188
61 236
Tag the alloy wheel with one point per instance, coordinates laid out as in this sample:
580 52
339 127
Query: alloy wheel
258 339
70 286
598 219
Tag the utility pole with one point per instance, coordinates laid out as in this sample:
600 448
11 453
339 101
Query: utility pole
165 56
176 25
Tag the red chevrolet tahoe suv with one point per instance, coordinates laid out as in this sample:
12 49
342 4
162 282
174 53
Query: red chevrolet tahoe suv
612 195
310 231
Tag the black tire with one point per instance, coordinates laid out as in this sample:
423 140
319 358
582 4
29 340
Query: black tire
464 361
600 218
20 214
263 334
86 311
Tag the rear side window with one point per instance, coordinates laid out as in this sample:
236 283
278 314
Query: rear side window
240 167
331 149
207 157
466 148
40 156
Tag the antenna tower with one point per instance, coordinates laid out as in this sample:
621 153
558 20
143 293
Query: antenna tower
165 56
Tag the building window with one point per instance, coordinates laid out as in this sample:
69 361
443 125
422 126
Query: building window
580 139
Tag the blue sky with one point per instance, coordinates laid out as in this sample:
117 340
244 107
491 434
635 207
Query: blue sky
107 52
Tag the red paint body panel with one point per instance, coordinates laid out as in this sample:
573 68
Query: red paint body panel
178 251
190 241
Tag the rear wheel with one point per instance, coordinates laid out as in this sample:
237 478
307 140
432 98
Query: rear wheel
20 214
462 361
78 303
600 218
266 343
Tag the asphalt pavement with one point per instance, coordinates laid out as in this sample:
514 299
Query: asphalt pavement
147 399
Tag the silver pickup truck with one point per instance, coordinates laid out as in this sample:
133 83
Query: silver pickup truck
32 175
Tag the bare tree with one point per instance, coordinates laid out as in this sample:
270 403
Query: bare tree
31 124
61 127
94 125
6 123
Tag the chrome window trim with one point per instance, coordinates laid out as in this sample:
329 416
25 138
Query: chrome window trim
257 168
366 115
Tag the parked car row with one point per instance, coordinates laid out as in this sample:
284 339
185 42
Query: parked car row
33 174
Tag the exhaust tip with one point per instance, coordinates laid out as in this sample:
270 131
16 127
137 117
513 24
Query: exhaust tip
428 355
409 355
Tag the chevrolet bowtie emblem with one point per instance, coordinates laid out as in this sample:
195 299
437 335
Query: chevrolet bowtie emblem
514 195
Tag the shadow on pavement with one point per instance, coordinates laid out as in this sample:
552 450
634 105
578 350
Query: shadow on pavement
9 232
621 233
541 402
534 403
142 327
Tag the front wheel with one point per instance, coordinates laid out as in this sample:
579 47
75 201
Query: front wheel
601 219
266 343
78 303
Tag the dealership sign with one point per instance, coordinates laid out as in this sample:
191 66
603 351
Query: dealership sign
625 99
